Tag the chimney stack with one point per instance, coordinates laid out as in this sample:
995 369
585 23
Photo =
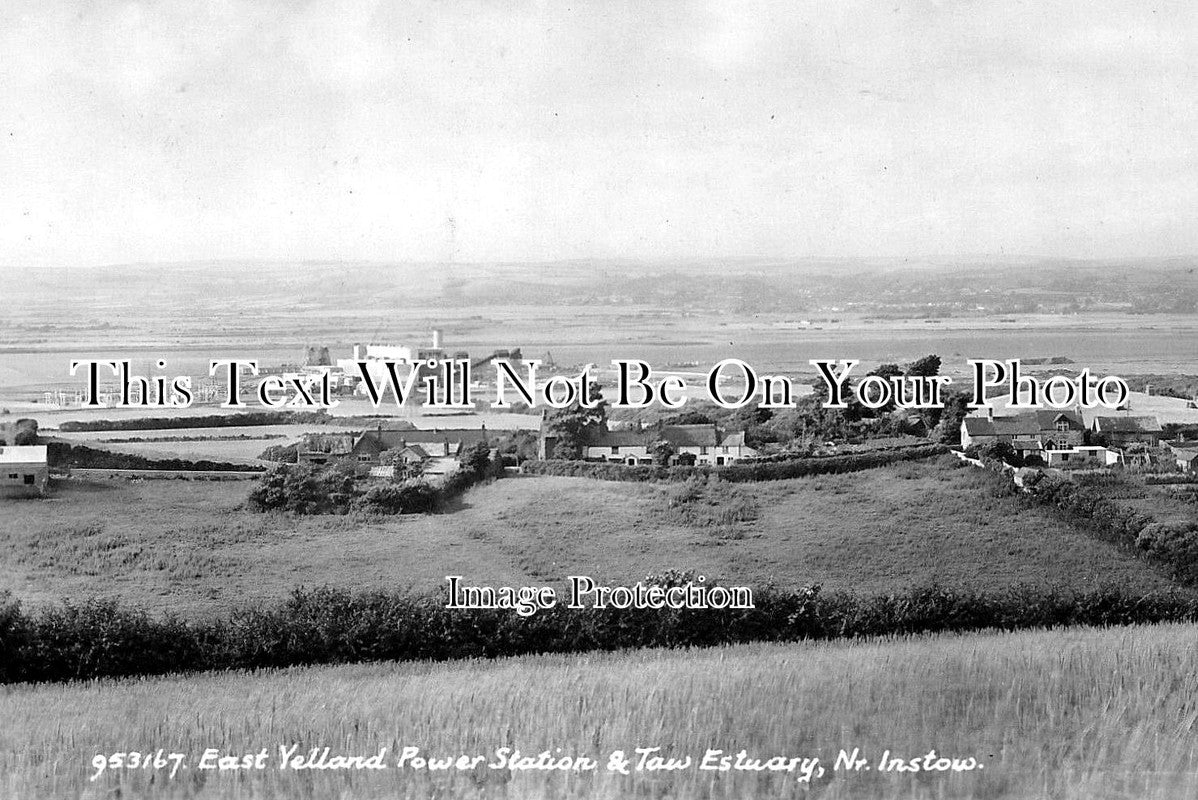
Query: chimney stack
436 338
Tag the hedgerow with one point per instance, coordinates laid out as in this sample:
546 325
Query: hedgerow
735 473
61 454
1091 503
333 626
237 420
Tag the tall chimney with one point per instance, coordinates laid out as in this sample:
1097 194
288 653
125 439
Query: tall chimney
436 338
357 352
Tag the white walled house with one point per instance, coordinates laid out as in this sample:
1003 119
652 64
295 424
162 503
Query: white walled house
24 470
708 444
619 447
1085 457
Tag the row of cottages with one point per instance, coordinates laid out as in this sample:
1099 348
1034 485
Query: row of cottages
1062 438
24 470
434 452
707 443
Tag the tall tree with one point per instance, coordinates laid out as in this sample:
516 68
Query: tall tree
575 424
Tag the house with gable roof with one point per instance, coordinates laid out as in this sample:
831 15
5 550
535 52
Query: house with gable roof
1124 430
1028 432
707 443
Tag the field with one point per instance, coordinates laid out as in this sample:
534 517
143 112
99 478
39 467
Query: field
1077 714
192 547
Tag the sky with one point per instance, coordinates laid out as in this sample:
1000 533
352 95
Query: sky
479 131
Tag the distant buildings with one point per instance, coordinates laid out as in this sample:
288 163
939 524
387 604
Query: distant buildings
346 372
1066 439
694 444
429 452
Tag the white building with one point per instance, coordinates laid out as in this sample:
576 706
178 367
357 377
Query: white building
24 470
1081 457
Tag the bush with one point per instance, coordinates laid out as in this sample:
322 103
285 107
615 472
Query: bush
409 497
302 489
24 432
281 453
1174 543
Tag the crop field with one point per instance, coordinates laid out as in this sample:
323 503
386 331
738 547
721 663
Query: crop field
1067 714
192 547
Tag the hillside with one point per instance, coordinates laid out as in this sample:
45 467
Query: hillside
192 547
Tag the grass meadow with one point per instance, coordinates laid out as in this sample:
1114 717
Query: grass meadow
192 547
1070 715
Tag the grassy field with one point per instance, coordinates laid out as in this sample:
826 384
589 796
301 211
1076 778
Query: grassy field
1058 714
192 547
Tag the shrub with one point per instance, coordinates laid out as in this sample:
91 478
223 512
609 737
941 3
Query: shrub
302 489
1175 543
281 453
24 432
409 497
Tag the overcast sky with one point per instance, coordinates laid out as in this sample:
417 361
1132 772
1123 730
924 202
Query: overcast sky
479 131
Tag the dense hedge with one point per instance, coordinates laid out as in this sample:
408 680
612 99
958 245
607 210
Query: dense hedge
61 454
1087 505
244 418
1168 480
328 626
736 473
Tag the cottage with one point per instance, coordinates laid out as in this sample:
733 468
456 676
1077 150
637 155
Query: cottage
619 446
707 444
321 448
1084 457
24 470
1122 431
1028 433
436 451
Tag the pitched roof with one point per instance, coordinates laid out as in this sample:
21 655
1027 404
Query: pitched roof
331 443
1024 425
617 438
733 439
1187 453
1127 425
1047 419
1021 425
691 435
456 436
